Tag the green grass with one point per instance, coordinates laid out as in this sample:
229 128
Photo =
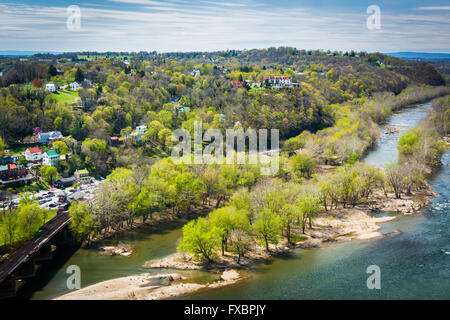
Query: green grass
64 97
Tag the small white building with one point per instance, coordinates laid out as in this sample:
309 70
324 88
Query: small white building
281 82
50 158
74 86
50 87
34 154
139 132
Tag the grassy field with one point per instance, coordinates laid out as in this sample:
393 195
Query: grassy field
64 96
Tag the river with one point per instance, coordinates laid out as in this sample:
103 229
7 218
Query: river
414 263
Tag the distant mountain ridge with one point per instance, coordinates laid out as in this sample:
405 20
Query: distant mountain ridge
17 53
419 55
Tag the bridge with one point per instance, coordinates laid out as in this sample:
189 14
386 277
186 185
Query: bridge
21 264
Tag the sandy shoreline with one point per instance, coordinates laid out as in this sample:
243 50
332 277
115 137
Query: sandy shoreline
146 287
337 225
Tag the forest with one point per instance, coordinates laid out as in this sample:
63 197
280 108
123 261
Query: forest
330 119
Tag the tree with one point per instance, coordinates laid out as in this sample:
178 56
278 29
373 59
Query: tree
79 75
2 145
8 226
304 164
82 220
189 191
267 227
37 83
200 238
394 177
29 219
61 147
49 174
241 242
310 207
227 219
290 215
52 71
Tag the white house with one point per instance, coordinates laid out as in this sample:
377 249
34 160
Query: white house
47 137
281 82
50 87
139 132
74 86
34 154
50 158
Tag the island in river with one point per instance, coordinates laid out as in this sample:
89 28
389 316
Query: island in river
333 226
367 228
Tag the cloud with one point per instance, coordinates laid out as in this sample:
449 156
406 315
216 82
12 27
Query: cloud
179 25
433 8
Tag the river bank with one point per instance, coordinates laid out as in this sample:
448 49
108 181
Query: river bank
147 287
343 224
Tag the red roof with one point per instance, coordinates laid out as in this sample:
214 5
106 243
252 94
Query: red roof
237 83
35 150
114 138
12 166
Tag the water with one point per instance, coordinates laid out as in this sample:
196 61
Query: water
386 150
148 243
414 263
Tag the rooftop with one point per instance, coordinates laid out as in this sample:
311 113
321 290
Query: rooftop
34 150
52 153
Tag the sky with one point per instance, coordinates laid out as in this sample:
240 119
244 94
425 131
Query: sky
209 25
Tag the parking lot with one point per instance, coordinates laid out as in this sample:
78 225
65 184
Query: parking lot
53 198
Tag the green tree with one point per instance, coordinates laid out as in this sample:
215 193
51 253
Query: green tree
267 227
227 219
79 75
61 147
49 174
303 163
29 219
290 215
310 206
8 226
2 145
82 220
200 238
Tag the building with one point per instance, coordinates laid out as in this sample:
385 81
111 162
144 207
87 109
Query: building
75 85
114 141
8 160
182 109
50 158
47 137
34 154
278 82
139 132
237 84
66 182
82 176
50 87
12 172
196 72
